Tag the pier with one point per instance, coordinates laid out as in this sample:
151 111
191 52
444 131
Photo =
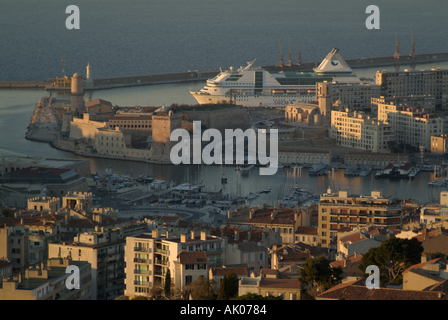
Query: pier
202 75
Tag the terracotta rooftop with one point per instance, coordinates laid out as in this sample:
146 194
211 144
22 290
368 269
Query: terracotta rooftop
227 271
4 264
353 260
194 257
356 290
353 238
271 283
265 216
256 234
421 265
306 230
97 101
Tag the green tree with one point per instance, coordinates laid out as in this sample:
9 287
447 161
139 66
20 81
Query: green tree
155 293
320 272
202 289
231 286
167 288
392 258
222 294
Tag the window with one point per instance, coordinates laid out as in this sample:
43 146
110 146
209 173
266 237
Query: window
188 280
189 267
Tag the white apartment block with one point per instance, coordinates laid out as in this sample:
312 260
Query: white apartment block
412 126
356 96
410 82
433 213
357 130
149 256
425 103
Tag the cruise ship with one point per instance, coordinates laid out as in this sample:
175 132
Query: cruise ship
255 87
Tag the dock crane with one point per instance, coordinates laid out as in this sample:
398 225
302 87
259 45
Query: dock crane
412 45
288 63
397 44
280 63
299 56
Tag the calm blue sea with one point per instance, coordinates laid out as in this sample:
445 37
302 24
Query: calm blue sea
121 38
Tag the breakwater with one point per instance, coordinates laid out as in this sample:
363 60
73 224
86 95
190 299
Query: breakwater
202 75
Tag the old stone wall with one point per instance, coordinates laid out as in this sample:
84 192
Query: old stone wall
221 118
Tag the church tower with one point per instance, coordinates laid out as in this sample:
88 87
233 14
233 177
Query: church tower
325 102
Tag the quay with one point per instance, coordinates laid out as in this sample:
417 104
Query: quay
202 75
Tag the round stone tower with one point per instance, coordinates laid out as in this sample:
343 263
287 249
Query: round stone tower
77 94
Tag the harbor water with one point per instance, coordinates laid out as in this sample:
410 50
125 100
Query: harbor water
148 37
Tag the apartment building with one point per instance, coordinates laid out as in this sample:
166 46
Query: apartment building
356 96
342 209
104 250
412 126
149 256
412 82
426 103
284 221
439 144
437 212
356 129
48 282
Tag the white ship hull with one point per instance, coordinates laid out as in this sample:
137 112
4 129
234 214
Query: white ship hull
255 87
253 101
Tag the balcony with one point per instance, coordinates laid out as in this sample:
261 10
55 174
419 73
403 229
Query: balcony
141 249
160 273
392 206
144 272
136 260
162 262
142 283
162 251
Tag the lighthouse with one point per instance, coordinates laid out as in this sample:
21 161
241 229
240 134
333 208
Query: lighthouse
89 80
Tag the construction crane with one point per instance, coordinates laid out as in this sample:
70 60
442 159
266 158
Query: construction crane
397 44
412 45
288 63
299 57
280 63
